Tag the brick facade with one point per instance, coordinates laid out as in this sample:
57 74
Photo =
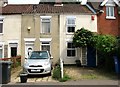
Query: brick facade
108 26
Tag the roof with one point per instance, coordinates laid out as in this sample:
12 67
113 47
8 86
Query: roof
14 9
45 8
95 5
115 1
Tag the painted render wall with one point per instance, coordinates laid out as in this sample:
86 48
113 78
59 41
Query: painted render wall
28 20
11 31
81 21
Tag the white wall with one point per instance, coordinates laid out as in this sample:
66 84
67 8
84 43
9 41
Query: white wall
81 21
12 30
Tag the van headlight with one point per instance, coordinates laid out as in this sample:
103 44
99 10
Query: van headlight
26 63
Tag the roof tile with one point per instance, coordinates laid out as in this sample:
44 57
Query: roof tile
45 8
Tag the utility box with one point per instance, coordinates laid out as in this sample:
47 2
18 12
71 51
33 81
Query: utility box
5 72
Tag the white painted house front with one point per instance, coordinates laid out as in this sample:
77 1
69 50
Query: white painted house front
10 35
68 25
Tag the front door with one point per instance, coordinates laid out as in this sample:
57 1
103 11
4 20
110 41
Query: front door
91 57
28 50
13 51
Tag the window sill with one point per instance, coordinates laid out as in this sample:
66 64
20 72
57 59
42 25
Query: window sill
1 33
70 33
72 57
45 33
107 17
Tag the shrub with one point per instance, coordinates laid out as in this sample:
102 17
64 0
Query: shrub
82 38
105 43
56 73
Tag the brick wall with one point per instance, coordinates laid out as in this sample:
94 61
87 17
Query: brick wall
108 26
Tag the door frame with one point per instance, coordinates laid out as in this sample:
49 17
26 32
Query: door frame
9 46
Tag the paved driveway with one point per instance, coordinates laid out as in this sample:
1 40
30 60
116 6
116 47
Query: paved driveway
38 78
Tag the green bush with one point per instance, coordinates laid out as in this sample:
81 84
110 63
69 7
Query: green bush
56 73
82 38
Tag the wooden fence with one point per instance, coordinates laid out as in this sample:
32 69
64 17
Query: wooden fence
15 60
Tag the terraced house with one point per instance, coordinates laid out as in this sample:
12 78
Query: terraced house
10 32
50 26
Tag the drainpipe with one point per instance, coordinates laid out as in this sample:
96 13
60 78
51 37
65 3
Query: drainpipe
61 59
61 66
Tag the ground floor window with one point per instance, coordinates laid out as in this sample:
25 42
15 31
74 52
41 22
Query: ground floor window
45 46
1 52
71 52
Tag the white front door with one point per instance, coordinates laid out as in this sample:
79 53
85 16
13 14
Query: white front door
28 50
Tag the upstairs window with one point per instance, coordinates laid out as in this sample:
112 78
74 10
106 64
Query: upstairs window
110 12
1 26
45 25
70 24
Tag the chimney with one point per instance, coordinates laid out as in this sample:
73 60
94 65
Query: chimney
34 8
83 2
58 3
3 3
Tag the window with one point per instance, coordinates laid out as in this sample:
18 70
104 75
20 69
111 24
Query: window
1 52
1 26
110 11
45 25
71 52
70 24
45 46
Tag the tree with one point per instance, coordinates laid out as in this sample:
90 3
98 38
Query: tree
105 43
82 38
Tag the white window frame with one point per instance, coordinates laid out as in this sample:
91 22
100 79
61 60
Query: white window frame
70 49
2 47
9 46
45 17
45 40
108 15
2 18
70 25
45 44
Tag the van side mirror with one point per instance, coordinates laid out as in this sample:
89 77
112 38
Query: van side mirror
51 57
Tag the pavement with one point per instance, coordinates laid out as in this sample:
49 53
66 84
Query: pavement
47 80
82 83
15 78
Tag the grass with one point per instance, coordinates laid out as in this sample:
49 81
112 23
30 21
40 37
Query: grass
80 73
89 76
65 78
